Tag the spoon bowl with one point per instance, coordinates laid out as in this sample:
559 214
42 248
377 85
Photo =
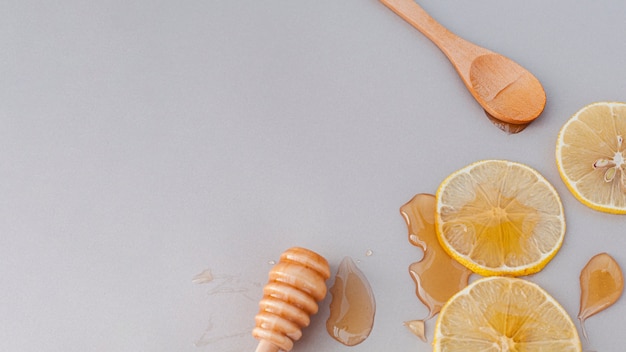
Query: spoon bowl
506 91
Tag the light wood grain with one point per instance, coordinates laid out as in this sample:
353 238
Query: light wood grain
506 90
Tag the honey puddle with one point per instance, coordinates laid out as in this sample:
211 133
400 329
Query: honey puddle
509 128
203 278
352 307
437 276
601 285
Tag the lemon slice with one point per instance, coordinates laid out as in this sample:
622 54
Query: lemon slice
499 217
504 314
590 156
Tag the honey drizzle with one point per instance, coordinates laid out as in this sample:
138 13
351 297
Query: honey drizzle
352 307
437 276
601 285
509 128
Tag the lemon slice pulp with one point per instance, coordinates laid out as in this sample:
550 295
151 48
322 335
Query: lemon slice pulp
499 217
504 314
590 156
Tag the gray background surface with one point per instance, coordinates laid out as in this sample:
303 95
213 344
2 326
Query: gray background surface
142 142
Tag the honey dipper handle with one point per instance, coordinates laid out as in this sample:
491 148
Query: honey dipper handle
266 346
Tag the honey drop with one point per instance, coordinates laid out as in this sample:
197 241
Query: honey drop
417 327
509 128
601 285
352 307
437 276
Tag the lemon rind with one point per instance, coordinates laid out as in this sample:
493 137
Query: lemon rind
437 336
528 269
568 183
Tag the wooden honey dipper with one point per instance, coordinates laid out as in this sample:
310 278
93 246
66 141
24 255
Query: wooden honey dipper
290 297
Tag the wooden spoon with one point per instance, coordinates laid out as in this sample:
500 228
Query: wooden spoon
506 90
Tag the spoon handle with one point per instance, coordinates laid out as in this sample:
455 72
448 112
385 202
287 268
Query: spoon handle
459 51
